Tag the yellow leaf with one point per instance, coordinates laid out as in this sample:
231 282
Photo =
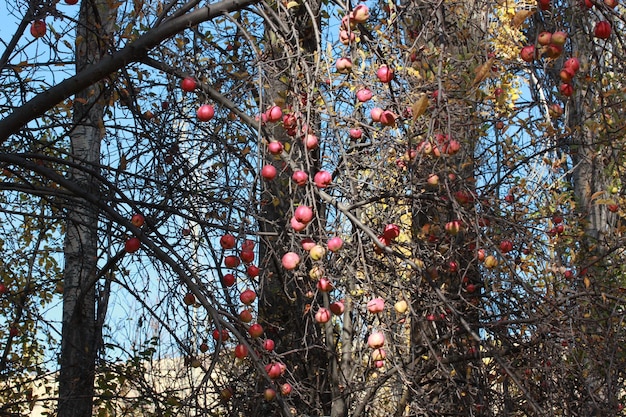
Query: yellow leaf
482 71
521 16
587 282
292 4
596 195
420 106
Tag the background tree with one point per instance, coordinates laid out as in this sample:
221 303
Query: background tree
461 254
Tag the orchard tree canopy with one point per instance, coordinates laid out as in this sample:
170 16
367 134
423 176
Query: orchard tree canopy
313 208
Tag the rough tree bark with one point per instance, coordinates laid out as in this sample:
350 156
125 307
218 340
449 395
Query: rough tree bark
78 348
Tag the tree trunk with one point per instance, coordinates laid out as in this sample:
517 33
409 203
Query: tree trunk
78 348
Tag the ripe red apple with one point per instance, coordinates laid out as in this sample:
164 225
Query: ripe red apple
246 256
13 331
38 28
221 335
356 133
384 74
290 260
274 114
391 231
343 65
71 2
189 299
527 53
241 351
307 243
388 118
376 340
566 89
337 308
231 261
364 94
322 315
506 246
228 280
188 84
297 225
376 305
573 64
613 208
566 75
247 296
324 284
245 315
544 4
205 112
227 241
360 13
376 113
304 214
334 244
268 344
132 245
544 38
602 30
253 271
300 178
290 121
203 347
611 3
3 289
274 370
345 36
285 389
268 172
255 330
275 147
137 220
322 179
310 141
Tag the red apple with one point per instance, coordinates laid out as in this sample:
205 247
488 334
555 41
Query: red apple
307 243
454 227
388 118
544 38
527 53
364 94
38 28
566 89
3 289
274 370
324 284
132 245
376 114
322 315
268 344
602 30
189 299
205 112
245 316
137 220
231 261
376 340
376 305
360 14
253 271
310 142
255 330
384 74
275 147
356 133
304 214
241 351
559 38
334 244
13 331
274 114
544 4
221 335
246 256
296 225
71 2
391 231
506 246
573 64
290 260
285 389
346 36
247 296
566 75
323 179
268 172
300 178
611 3
188 84
203 347
337 308
228 280
227 241
343 65
378 354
